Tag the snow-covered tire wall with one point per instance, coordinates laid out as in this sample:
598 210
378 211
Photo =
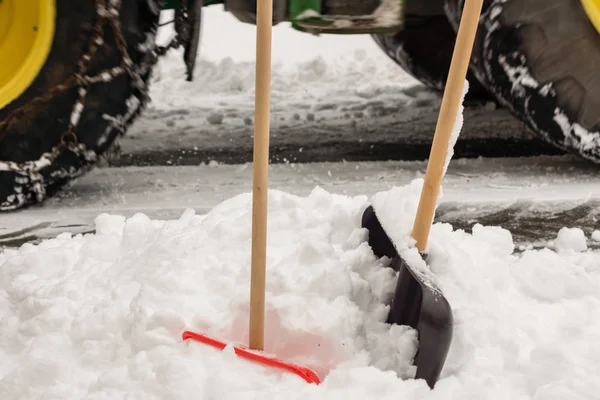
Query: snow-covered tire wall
424 50
541 58
91 88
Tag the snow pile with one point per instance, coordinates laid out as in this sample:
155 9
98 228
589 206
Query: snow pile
570 239
100 316
337 69
396 210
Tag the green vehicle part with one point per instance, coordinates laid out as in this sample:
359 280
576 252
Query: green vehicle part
299 8
308 16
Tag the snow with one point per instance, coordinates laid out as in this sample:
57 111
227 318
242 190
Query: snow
101 315
570 239
396 210
456 128
97 316
474 188
306 69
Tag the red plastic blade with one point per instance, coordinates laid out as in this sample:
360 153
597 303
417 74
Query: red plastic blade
307 374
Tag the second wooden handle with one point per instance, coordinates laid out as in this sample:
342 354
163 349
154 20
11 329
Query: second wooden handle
448 112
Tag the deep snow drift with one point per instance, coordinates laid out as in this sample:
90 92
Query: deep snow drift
100 316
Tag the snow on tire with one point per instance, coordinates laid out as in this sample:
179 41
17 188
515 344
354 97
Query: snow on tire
540 58
90 90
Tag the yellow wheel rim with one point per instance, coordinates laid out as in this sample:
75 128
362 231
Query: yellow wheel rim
592 8
26 36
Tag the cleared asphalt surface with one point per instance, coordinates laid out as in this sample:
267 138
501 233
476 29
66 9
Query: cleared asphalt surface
399 128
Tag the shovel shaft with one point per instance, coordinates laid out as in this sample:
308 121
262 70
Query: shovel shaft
260 173
447 117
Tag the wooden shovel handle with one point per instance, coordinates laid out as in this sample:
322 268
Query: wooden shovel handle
448 111
264 14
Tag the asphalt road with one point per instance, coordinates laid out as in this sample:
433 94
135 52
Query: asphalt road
400 127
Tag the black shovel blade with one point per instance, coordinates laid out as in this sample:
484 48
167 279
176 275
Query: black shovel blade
417 303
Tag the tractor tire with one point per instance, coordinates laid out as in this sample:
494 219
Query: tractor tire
33 164
424 50
540 59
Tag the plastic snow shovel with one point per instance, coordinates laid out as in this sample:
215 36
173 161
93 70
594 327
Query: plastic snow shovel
264 20
417 302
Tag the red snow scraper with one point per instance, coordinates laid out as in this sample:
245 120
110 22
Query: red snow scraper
264 20
417 302
305 373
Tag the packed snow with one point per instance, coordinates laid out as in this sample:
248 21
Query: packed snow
570 239
101 315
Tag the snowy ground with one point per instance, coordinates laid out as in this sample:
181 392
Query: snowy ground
517 194
333 98
144 253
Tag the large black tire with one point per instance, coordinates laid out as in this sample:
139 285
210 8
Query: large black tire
31 130
541 59
424 50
